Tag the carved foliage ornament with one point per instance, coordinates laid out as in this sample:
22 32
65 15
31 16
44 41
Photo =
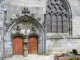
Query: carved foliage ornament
17 35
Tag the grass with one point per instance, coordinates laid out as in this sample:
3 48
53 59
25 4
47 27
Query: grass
75 58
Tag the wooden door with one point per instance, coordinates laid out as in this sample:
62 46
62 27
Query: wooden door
33 45
18 46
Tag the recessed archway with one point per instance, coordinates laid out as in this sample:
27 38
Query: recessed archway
39 30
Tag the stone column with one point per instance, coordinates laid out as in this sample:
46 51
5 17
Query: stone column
3 30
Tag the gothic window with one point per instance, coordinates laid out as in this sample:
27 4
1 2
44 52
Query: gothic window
56 17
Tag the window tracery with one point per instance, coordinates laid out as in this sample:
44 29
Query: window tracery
56 17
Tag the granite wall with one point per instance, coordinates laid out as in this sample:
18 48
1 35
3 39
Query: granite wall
54 42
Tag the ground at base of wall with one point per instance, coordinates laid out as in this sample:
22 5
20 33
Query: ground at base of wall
32 57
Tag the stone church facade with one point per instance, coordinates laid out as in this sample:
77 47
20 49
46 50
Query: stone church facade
39 27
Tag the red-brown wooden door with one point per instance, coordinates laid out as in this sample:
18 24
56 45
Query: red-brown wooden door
18 46
33 45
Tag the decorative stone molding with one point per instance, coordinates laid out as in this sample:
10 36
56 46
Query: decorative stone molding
33 35
17 35
36 30
25 11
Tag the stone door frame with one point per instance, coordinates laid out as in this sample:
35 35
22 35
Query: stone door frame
42 40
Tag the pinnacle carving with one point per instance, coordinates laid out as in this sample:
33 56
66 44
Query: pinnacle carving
25 11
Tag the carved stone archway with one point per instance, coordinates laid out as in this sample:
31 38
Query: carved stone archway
25 19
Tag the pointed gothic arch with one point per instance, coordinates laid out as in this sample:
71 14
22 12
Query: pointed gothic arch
29 19
58 16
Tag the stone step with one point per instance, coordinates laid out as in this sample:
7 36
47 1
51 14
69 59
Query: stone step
32 57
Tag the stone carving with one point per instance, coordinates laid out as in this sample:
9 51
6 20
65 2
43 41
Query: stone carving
17 35
25 11
58 6
17 15
32 15
1 1
33 33
18 29
33 29
39 19
27 16
19 22
9 23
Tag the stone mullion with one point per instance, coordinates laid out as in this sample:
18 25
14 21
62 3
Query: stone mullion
51 22
62 24
57 23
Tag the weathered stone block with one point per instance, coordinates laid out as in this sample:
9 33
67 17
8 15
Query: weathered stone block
1 53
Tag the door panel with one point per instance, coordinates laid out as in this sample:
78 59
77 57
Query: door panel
33 45
18 46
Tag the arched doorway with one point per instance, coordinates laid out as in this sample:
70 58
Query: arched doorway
17 45
26 23
33 45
